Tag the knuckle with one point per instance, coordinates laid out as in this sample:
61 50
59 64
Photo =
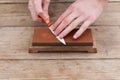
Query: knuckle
71 7
60 18
30 5
92 18
72 26
84 14
66 21
39 12
77 8
85 27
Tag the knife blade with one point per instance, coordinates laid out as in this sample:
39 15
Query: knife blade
49 24
60 39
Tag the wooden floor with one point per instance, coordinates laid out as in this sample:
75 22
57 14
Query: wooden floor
16 28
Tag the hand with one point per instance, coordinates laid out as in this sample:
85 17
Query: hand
39 8
83 12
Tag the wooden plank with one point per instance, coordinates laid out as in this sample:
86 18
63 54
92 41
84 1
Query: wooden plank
25 1
15 41
60 70
18 14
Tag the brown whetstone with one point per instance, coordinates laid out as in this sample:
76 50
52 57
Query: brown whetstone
44 41
43 36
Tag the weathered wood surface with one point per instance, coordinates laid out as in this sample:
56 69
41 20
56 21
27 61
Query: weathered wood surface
17 64
60 70
18 14
14 44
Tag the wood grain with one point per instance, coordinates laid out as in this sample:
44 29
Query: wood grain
17 40
60 70
19 15
16 29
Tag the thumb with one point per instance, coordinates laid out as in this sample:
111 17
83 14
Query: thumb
38 7
46 4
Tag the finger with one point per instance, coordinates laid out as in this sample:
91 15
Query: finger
39 10
82 29
66 21
73 25
32 11
66 13
42 19
30 3
38 7
46 5
45 8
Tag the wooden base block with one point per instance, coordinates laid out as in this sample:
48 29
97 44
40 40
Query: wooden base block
44 41
38 49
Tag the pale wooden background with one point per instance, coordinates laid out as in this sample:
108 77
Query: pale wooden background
16 27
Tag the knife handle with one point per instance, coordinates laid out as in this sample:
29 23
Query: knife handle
48 24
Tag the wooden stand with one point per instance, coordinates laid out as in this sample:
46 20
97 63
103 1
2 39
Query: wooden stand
44 41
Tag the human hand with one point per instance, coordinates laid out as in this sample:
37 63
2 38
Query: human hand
83 12
39 9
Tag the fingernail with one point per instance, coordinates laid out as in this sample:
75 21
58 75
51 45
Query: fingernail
75 37
47 21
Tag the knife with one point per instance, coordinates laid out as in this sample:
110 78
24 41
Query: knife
49 24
